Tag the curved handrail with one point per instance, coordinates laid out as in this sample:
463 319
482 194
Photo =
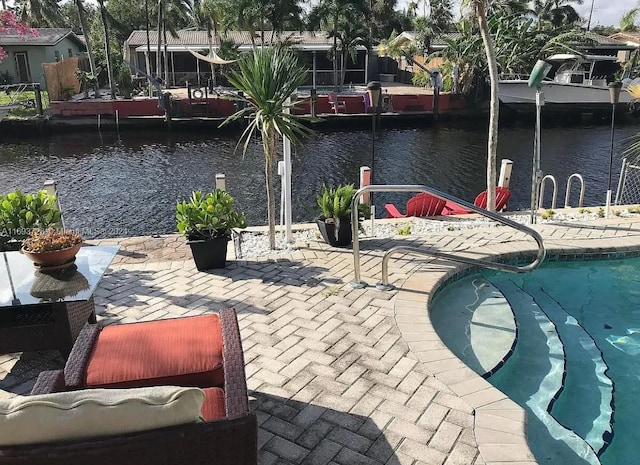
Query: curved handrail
566 197
441 195
555 191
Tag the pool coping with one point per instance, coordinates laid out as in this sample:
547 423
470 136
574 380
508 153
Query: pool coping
499 423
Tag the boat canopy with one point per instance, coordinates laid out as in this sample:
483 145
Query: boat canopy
573 56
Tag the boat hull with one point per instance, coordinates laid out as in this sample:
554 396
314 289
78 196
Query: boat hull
570 98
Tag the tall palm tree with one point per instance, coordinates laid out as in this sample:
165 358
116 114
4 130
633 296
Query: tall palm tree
268 76
208 14
479 11
82 15
327 15
107 49
557 12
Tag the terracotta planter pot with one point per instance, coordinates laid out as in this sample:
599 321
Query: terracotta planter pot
54 258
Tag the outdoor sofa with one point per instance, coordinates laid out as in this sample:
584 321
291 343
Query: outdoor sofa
157 353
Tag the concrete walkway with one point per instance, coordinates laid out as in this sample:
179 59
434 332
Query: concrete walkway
340 375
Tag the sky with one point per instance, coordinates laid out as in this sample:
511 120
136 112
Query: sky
605 12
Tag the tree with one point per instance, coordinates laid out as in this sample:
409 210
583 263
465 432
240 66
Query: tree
39 13
557 12
628 20
82 16
331 16
9 23
479 11
441 18
268 76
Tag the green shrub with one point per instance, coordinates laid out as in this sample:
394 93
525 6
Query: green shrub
21 213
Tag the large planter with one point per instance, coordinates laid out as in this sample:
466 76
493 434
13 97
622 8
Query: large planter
337 234
56 259
210 253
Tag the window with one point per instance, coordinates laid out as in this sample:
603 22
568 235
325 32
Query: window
70 53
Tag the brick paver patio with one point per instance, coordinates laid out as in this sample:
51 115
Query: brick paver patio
340 375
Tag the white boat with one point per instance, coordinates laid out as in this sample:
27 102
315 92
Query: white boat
576 83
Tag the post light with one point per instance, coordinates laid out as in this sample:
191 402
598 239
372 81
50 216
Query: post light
614 95
538 73
374 88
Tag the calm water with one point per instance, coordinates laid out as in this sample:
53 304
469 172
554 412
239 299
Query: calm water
127 184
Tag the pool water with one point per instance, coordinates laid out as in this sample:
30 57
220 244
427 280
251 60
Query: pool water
574 365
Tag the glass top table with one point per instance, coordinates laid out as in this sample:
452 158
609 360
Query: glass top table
21 283
46 310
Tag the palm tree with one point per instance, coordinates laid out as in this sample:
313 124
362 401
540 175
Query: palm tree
557 12
209 14
330 15
267 77
39 13
628 20
107 49
82 15
479 11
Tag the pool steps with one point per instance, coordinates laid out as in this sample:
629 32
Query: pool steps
585 404
535 375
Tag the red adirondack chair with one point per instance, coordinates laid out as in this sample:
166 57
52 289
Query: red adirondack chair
502 197
422 204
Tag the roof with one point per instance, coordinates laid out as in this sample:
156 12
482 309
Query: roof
630 38
197 40
602 40
45 37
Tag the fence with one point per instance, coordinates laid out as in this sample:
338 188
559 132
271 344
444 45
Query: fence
629 184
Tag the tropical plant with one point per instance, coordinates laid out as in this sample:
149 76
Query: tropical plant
82 15
51 239
268 77
556 12
39 13
208 216
628 20
336 202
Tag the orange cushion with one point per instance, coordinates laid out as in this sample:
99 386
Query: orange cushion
213 407
181 352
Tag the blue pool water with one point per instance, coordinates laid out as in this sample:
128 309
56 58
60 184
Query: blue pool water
575 363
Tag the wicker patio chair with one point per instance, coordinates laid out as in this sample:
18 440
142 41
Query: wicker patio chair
231 440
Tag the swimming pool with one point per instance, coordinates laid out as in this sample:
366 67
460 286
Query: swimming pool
563 342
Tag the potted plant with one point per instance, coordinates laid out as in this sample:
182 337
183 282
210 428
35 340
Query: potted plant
51 248
207 221
335 220
22 213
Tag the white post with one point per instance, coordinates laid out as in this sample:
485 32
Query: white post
536 174
314 69
505 173
365 180
221 182
118 120
51 188
366 67
286 152
282 191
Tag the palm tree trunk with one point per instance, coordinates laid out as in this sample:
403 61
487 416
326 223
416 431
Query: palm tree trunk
270 146
85 33
147 58
166 52
211 65
495 103
107 50
158 59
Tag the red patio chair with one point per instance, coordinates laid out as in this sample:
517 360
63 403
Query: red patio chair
422 204
502 197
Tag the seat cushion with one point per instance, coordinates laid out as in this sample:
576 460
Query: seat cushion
213 407
181 352
91 413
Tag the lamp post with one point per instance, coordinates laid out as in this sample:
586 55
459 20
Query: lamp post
374 88
539 72
614 95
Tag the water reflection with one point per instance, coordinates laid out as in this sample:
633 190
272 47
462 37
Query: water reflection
113 184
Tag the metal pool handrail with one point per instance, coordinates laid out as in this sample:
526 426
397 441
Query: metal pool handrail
441 195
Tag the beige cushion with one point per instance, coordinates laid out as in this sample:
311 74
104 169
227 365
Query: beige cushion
95 412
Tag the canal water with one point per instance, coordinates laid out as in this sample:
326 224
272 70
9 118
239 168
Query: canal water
127 184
